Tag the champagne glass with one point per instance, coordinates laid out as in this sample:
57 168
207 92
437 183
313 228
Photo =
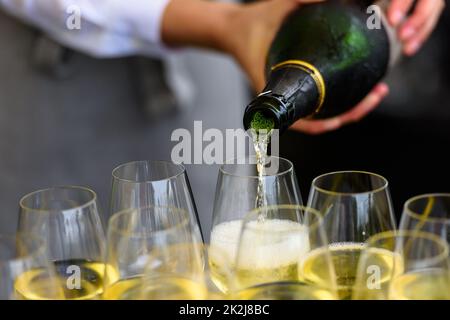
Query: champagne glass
153 183
274 243
355 206
426 268
69 220
136 237
237 194
25 271
430 213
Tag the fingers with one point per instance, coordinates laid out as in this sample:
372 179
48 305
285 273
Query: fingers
361 110
420 26
367 105
398 11
423 11
315 127
417 28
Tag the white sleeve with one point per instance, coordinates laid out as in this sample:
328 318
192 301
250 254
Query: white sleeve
102 28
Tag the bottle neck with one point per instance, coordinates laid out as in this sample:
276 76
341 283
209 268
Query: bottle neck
292 92
269 107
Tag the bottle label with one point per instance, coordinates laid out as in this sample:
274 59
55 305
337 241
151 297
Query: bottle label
313 71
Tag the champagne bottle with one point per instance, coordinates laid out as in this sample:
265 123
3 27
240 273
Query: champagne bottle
325 59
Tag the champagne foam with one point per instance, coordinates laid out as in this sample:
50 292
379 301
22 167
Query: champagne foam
347 246
268 244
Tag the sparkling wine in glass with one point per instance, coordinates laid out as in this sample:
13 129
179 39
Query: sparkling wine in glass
237 191
355 206
68 218
143 242
273 250
25 270
426 268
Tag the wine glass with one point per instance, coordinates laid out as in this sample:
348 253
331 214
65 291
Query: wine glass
430 213
159 239
237 193
274 243
25 271
426 268
379 263
68 218
153 183
355 206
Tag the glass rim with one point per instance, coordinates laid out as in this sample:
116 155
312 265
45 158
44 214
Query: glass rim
419 216
335 193
36 239
121 166
88 203
183 223
403 233
411 233
234 161
316 224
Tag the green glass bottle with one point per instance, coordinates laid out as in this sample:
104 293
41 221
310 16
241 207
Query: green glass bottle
325 59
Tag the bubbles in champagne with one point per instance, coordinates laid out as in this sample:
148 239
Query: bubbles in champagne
225 237
261 142
272 243
269 250
315 268
261 130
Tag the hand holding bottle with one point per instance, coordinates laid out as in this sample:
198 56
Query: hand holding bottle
247 31
367 105
257 25
413 31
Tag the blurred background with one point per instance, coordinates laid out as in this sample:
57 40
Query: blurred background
119 110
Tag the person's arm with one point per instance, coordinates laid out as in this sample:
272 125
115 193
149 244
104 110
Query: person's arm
108 28
246 32
119 27
198 23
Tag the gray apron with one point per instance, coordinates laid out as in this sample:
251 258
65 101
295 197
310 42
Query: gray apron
73 122
68 119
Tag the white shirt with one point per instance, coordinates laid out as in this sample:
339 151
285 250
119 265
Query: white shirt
101 28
